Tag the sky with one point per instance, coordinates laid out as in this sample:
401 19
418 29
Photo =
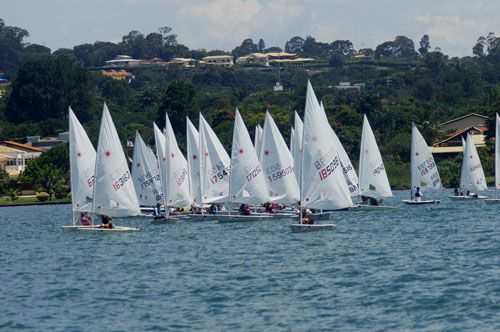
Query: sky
453 25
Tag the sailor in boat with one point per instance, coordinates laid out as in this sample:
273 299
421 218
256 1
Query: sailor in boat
307 217
418 195
195 209
213 209
455 192
106 222
244 210
370 200
85 219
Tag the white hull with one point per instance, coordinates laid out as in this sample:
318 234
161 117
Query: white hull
115 229
310 228
201 217
466 198
491 201
422 202
74 228
241 218
366 207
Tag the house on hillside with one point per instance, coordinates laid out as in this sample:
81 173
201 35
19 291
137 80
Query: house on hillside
456 130
119 75
46 143
217 61
123 61
466 121
347 87
183 63
15 156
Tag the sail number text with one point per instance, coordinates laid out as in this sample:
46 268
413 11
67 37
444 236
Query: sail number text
326 169
121 180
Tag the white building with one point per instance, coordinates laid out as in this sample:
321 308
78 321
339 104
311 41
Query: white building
218 61
123 61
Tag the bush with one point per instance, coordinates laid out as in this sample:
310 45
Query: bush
42 196
68 196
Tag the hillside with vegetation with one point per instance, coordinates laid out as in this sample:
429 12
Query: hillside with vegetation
402 84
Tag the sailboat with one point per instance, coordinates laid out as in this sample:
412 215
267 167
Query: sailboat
145 174
278 165
82 162
472 174
247 184
114 193
424 171
178 191
373 181
347 168
322 183
496 200
214 168
193 162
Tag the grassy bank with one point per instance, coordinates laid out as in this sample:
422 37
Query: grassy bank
30 200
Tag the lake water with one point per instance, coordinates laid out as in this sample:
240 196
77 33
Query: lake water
433 268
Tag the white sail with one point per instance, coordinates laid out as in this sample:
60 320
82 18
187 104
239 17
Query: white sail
145 174
215 165
497 152
257 139
472 175
292 138
247 184
193 158
424 172
323 185
373 179
82 163
114 193
349 172
162 159
178 191
297 145
277 163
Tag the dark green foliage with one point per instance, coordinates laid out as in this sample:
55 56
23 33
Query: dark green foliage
177 102
44 88
246 47
401 47
425 45
49 171
11 46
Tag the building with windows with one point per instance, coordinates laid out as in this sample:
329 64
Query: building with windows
123 61
14 159
217 61
119 75
456 130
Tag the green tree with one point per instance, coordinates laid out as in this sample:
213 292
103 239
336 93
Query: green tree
44 88
177 101
401 47
262 45
246 47
11 46
425 45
